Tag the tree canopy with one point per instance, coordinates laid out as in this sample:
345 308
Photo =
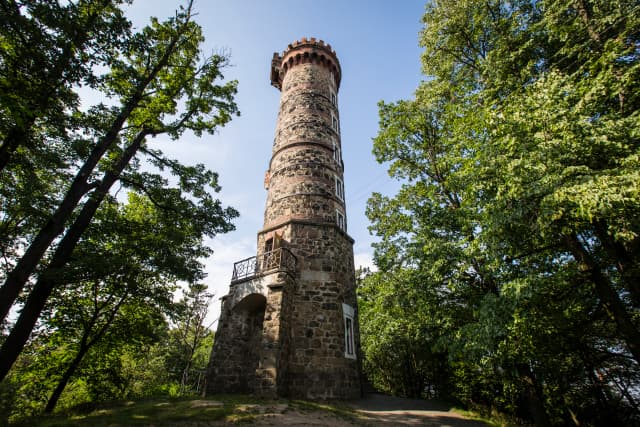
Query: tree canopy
517 222
72 247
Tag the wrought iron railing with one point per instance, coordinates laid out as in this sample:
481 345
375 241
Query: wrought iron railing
280 258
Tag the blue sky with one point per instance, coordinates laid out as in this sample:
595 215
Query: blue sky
377 44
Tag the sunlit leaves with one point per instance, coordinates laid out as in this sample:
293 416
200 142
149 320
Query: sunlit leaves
520 200
63 160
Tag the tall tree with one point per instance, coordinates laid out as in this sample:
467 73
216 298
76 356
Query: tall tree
160 68
533 109
401 332
117 269
159 72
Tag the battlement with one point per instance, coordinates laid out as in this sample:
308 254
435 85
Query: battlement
305 50
309 41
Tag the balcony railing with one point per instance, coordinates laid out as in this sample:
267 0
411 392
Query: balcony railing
280 258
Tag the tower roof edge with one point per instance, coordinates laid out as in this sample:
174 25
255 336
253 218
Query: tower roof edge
301 51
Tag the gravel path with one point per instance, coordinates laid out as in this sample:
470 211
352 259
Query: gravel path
375 410
381 410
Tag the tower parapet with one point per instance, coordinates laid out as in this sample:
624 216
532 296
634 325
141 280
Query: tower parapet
305 51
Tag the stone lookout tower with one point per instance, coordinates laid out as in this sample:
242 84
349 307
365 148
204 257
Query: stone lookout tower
289 324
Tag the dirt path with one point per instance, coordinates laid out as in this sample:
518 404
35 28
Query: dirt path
374 410
381 410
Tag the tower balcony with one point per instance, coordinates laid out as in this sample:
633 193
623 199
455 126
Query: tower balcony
280 259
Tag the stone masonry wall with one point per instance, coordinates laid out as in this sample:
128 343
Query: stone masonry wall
318 366
250 353
305 196
272 371
306 167
233 360
283 333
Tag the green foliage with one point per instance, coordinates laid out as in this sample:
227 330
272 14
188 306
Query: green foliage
104 327
190 341
400 336
517 223
47 48
158 83
100 271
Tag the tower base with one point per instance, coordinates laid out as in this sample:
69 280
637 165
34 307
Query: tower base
290 330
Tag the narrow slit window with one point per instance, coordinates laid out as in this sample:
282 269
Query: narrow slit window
339 188
341 221
348 314
349 334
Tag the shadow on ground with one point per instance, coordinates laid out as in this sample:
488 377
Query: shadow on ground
381 410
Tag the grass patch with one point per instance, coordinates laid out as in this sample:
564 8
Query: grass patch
241 418
494 419
186 412
477 417
156 412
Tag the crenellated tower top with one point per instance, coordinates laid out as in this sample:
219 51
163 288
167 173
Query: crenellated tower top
305 50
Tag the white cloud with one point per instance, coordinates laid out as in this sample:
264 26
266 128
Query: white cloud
364 259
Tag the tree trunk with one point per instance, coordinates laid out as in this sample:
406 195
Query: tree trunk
609 296
625 261
17 278
184 381
62 384
586 15
533 396
17 339
85 345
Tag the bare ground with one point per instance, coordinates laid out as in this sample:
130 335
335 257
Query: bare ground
374 410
